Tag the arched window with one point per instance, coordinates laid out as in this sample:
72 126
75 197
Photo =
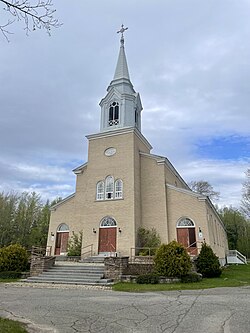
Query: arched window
100 190
63 227
108 222
185 222
118 189
109 188
114 114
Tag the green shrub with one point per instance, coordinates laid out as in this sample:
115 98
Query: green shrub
75 245
10 275
172 260
148 238
147 279
208 263
13 258
191 277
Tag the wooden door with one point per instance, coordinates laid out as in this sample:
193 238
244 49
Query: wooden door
61 242
186 237
182 236
107 240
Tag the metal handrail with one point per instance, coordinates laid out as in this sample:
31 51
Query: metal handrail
39 251
86 253
150 249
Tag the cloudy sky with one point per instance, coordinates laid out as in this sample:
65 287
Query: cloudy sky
188 59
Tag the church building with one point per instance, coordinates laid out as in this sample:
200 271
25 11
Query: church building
123 187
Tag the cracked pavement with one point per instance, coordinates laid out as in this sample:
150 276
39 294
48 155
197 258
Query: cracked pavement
61 309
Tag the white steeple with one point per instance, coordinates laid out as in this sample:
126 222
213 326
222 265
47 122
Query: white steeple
121 107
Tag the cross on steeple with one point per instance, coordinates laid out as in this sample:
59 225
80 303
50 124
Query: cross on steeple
122 31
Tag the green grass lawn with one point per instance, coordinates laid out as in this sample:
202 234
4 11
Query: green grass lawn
10 326
232 276
8 280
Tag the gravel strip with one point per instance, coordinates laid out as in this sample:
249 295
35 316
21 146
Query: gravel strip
56 286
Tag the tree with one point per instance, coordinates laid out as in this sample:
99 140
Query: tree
24 219
238 229
208 263
245 202
204 188
172 260
148 238
75 245
35 14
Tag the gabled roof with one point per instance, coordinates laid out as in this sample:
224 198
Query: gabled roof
200 197
164 160
79 169
62 201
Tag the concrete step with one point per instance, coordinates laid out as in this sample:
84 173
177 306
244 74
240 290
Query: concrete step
72 270
93 259
59 273
73 273
103 282
56 278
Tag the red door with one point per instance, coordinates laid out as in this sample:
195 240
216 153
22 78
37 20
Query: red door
61 243
186 237
107 240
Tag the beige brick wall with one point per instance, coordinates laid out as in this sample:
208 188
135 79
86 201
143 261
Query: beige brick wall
85 212
186 205
153 197
147 201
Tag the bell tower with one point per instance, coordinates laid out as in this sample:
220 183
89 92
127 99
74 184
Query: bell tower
121 107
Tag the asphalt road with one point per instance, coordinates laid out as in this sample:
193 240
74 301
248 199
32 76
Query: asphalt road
77 309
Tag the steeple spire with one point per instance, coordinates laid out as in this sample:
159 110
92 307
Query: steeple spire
121 71
121 107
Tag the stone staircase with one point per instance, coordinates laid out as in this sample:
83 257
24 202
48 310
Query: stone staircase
76 273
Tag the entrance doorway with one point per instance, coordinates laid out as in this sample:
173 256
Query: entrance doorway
107 236
62 236
186 235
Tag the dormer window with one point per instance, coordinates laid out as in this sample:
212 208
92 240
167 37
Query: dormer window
114 114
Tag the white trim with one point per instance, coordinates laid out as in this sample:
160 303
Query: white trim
71 196
67 230
120 131
183 190
108 226
164 160
79 169
185 226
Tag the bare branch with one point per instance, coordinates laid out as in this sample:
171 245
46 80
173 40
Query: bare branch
204 188
36 14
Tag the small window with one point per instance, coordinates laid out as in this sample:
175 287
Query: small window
114 114
63 227
108 222
185 222
100 191
118 189
109 188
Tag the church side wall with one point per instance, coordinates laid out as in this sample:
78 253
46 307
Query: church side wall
185 205
182 205
153 197
172 179
217 233
63 213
